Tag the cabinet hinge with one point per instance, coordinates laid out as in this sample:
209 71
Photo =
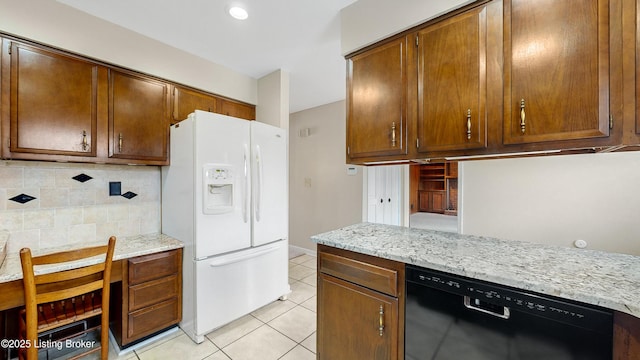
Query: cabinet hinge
417 40
9 48
610 122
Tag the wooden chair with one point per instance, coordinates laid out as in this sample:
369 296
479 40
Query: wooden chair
57 299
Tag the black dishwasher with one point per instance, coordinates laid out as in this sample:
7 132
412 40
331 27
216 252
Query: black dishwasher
454 317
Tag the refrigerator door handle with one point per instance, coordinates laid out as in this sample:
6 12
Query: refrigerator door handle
245 194
258 188
243 255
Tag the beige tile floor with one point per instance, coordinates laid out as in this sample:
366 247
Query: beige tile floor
282 330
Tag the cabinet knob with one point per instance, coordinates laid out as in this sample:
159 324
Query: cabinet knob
523 125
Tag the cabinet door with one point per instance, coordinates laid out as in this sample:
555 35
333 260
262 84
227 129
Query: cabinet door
53 102
557 70
452 83
236 109
355 322
437 201
186 101
433 201
138 117
377 101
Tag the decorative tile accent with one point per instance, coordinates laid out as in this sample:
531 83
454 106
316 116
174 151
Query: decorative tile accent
22 198
82 178
129 195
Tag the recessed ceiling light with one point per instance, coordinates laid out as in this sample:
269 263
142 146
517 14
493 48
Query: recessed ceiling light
238 13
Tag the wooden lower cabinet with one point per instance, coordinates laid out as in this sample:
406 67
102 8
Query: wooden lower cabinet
357 323
360 306
151 293
626 337
433 201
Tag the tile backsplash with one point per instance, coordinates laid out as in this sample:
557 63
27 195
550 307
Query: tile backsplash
66 210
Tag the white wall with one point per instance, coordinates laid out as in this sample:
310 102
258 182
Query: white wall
59 25
368 21
555 200
322 196
273 99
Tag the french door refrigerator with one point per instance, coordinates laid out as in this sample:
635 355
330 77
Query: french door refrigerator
225 196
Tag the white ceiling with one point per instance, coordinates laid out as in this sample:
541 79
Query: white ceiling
301 37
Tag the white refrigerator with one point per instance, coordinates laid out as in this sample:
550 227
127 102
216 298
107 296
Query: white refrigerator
225 195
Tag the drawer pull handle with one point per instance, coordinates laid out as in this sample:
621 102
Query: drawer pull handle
85 144
523 125
468 124
393 134
506 313
381 328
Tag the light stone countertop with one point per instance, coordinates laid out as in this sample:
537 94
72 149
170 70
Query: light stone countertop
126 247
594 277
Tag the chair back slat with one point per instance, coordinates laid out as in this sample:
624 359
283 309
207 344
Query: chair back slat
70 274
68 293
71 255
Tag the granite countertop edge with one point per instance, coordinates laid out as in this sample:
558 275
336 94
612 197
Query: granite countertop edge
609 280
126 247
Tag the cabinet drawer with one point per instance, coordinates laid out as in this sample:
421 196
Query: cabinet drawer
153 292
153 266
153 318
368 275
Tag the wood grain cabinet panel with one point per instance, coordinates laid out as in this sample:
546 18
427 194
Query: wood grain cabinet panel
186 101
356 323
138 117
452 83
235 109
153 266
557 70
54 100
151 292
377 101
360 306
432 201
375 277
149 320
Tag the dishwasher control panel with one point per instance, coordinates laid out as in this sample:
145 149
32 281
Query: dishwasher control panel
512 299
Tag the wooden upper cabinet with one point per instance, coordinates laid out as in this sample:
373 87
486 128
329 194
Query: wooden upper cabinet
236 109
186 101
138 117
377 101
452 83
557 70
54 102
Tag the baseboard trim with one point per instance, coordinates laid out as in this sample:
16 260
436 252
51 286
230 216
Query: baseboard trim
298 250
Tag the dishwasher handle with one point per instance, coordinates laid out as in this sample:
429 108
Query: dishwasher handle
506 313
